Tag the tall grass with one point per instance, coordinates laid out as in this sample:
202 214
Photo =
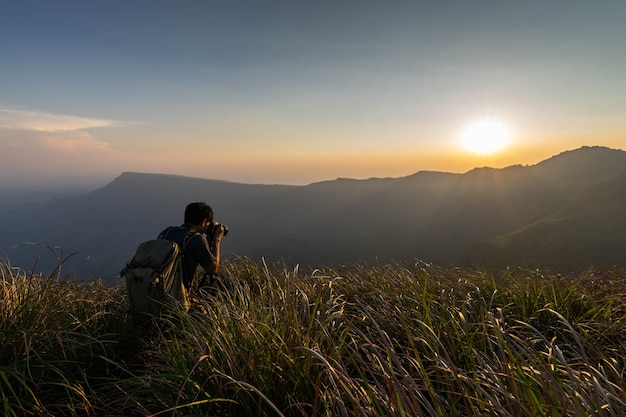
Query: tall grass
362 341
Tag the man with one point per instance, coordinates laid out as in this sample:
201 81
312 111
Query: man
197 250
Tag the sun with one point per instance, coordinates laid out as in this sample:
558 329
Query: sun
485 136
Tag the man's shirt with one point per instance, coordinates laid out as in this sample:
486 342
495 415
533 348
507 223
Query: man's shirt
195 253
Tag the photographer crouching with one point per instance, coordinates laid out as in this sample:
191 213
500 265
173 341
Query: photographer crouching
199 238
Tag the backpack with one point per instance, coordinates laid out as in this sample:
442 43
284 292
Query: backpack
154 278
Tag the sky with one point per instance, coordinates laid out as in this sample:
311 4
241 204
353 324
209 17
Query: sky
295 92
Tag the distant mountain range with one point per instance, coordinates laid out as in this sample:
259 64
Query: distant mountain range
564 214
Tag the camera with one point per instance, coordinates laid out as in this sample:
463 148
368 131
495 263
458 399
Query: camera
214 227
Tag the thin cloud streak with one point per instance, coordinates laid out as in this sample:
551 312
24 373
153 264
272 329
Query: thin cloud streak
35 142
19 119
72 142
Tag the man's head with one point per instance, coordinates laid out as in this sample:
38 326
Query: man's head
197 213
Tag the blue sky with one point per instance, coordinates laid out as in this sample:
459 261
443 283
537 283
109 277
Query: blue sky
294 92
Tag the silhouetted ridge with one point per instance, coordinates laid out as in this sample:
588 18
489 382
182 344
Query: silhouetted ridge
574 170
563 213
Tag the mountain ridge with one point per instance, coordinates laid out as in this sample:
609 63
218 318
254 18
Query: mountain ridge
480 218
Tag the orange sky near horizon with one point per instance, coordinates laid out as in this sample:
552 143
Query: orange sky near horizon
315 166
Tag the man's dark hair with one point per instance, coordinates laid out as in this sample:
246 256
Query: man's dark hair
196 212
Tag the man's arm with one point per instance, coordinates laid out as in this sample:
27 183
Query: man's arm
215 250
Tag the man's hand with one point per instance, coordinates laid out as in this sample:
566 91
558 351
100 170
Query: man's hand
218 232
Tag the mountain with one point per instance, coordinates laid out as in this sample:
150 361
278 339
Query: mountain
564 213
583 230
574 170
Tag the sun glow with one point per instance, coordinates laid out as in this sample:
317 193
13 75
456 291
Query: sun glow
485 136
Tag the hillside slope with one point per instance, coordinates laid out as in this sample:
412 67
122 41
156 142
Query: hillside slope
584 230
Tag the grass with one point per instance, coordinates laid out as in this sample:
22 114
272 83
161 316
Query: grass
384 340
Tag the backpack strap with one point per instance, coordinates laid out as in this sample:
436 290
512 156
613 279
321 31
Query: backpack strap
183 243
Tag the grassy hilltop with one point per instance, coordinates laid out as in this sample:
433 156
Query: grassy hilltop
363 341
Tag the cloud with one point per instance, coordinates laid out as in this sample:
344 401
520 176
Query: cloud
42 157
72 142
19 119
41 131
47 142
39 148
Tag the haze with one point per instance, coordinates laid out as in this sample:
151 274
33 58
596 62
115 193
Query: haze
297 92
